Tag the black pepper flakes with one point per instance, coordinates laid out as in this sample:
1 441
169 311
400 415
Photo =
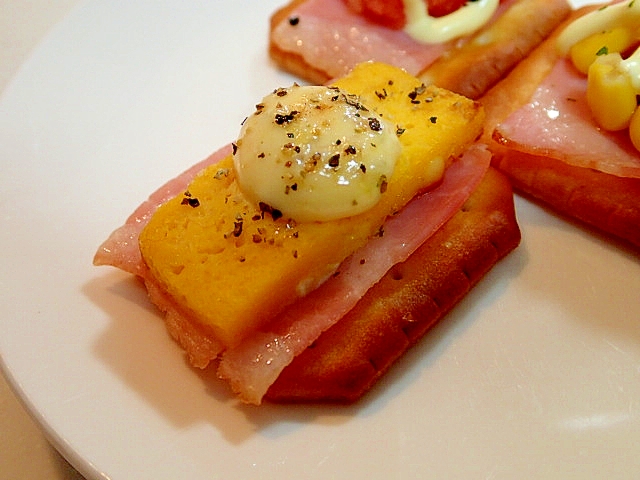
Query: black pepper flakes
221 173
353 100
334 161
293 21
413 95
433 119
400 131
289 188
282 119
237 228
374 124
189 200
383 183
381 95
266 208
350 150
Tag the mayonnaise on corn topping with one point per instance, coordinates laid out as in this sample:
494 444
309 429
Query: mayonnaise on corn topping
315 154
624 14
464 21
595 43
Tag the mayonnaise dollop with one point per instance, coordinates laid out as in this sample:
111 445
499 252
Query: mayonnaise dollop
464 21
623 14
315 153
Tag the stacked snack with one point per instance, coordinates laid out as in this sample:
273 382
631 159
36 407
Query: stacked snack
364 210
565 125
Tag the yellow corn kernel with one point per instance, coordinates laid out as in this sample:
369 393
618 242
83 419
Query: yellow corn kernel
634 129
610 94
616 40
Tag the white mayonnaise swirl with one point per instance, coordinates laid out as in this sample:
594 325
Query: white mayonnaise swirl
315 154
623 14
464 21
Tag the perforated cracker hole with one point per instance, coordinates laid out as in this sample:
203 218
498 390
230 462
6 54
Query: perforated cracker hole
396 273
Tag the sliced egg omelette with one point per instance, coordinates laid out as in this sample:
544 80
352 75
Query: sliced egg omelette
314 174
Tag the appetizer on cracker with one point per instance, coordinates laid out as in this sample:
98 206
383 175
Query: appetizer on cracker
465 47
363 206
565 123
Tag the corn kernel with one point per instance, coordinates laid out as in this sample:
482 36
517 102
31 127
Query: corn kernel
634 129
616 40
610 93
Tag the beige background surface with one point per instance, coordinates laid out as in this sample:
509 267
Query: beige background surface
24 451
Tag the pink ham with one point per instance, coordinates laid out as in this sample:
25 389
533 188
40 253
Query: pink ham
253 366
557 123
121 248
334 39
257 362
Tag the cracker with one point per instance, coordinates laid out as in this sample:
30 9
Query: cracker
472 68
348 359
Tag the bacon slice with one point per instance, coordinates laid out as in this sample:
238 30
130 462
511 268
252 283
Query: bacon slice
557 123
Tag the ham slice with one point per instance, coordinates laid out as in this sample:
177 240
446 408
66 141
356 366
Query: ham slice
333 39
253 366
557 123
121 249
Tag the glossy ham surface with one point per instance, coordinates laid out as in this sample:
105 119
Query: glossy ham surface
255 364
121 248
333 38
557 123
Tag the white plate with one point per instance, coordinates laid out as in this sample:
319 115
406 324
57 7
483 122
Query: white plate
536 374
